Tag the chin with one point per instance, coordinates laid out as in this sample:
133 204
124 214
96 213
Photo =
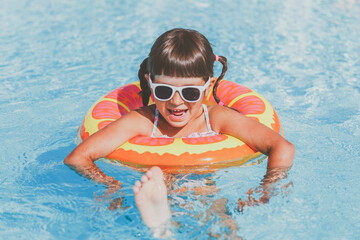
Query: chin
177 124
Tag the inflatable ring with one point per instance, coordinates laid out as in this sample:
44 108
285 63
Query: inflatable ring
180 154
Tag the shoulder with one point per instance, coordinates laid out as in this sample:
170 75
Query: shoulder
222 112
139 120
147 112
222 117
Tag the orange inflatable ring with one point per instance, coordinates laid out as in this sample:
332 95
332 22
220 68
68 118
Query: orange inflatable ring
180 154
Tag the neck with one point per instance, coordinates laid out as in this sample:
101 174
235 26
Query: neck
197 124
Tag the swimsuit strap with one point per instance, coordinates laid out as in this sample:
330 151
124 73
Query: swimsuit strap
156 119
207 118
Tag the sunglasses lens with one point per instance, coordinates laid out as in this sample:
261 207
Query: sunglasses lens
191 94
163 92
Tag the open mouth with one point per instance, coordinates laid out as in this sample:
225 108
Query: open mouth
177 112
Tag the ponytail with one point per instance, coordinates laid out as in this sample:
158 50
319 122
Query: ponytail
223 61
145 92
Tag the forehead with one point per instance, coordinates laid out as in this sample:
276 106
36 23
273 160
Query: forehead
179 81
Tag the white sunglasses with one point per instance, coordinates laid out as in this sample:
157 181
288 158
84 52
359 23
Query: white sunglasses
164 92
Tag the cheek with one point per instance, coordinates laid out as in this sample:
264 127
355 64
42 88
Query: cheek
162 107
196 107
159 104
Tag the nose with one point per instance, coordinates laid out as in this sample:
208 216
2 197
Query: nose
176 99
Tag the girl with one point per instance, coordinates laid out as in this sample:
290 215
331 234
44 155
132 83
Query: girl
179 74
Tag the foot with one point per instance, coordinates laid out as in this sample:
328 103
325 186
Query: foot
151 198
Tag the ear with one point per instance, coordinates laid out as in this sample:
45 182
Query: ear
147 79
212 82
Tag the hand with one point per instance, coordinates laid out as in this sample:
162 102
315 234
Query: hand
251 201
116 203
266 191
111 189
113 185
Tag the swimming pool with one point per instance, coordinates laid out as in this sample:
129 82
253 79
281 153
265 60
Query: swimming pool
58 57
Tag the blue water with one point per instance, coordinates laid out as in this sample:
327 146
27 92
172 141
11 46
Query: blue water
58 57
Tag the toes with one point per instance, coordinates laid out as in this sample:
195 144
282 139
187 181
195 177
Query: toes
156 173
144 179
136 190
138 184
156 170
149 174
137 187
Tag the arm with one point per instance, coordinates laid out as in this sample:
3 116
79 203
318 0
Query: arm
101 144
280 152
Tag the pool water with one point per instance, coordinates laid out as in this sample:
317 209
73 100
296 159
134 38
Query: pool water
58 57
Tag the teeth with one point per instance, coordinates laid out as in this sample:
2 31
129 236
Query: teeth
177 112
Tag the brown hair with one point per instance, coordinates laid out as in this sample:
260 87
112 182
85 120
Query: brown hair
180 53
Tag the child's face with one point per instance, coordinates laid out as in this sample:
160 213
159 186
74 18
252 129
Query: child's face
177 111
